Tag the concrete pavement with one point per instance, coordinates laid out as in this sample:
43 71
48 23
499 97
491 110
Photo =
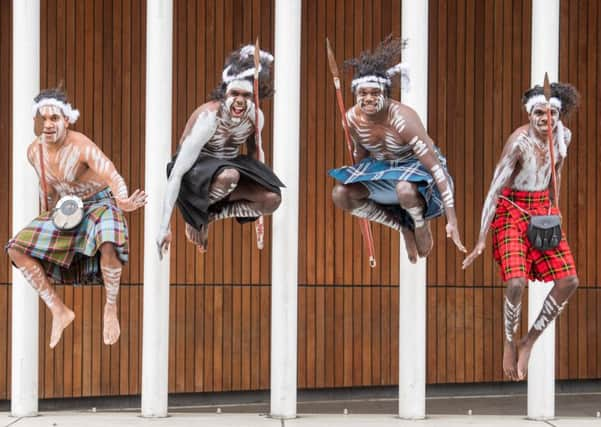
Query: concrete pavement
117 419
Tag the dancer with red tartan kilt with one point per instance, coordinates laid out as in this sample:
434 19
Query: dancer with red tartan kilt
521 189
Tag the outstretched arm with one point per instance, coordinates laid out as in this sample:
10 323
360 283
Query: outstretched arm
412 130
501 178
198 131
102 167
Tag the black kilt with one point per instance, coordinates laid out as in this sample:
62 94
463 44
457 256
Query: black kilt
193 198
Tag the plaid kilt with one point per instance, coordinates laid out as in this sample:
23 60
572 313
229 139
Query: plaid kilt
512 249
374 173
72 256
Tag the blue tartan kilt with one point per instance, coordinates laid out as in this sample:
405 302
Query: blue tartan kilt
380 177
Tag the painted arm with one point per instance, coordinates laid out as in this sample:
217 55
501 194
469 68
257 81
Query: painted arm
251 142
412 130
198 132
501 178
104 168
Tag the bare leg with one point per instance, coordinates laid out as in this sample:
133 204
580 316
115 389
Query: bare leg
33 272
249 200
413 203
111 275
224 183
410 244
354 199
552 307
512 309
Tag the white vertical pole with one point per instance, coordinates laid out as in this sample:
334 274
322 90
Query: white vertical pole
284 257
25 204
541 369
412 281
155 349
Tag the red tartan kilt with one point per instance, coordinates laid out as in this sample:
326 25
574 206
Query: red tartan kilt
512 249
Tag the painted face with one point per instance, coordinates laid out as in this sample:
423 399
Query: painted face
51 124
538 118
238 99
370 99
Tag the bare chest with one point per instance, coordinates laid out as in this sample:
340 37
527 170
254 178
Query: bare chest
534 172
228 137
67 174
382 141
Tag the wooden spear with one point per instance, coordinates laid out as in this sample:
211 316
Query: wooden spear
547 93
364 223
259 224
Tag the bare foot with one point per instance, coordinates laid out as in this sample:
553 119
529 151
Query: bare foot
423 240
524 349
510 360
199 237
409 237
111 329
60 321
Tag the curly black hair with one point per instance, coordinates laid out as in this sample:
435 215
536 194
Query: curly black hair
55 92
240 63
565 92
377 63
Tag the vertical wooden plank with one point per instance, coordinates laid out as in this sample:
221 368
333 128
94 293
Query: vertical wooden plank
265 337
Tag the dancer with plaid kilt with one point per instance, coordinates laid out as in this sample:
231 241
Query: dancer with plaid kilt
94 251
400 178
521 188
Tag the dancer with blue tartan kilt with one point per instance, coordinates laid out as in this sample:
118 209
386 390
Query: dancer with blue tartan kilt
400 178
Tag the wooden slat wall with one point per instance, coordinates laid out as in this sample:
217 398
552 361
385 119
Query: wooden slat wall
579 343
5 190
348 314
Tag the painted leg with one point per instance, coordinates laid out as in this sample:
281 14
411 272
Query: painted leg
224 183
353 198
413 203
552 307
33 272
248 200
111 275
512 310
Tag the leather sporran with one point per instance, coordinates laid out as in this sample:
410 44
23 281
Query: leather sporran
68 213
544 231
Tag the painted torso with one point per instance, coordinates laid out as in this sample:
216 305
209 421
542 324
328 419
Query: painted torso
381 139
76 167
533 172
65 171
228 136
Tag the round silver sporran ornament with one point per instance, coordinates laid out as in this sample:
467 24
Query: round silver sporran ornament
68 213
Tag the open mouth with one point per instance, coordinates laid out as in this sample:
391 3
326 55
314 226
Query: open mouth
369 107
237 111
